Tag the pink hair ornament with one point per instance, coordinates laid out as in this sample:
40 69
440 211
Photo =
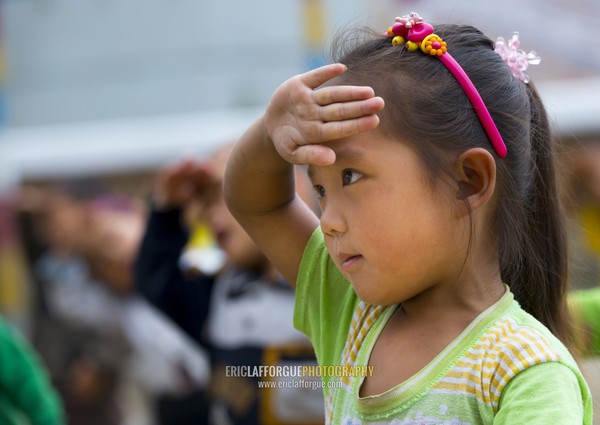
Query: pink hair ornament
517 60
416 34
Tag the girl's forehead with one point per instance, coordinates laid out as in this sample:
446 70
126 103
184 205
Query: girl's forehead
345 152
358 148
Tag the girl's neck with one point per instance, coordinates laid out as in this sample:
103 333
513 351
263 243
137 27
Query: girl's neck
420 329
465 298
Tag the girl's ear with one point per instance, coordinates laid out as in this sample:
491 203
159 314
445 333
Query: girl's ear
476 177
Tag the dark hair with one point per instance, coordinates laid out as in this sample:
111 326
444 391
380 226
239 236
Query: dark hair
426 107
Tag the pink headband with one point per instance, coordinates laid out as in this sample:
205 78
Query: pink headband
418 34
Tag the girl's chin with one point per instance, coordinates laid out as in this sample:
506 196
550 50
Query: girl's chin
366 294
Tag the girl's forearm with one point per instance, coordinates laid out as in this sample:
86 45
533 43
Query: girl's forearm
257 179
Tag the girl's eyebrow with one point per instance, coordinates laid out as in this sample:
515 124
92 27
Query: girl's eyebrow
349 153
344 152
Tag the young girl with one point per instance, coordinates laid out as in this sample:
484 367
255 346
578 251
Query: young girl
440 258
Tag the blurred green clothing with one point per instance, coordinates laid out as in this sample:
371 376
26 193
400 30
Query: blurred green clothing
26 394
584 306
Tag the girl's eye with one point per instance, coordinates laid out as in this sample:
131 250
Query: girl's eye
350 176
320 190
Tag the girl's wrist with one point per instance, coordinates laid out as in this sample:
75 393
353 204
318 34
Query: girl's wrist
256 174
268 146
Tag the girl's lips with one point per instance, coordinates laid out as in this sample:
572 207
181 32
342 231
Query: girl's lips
349 260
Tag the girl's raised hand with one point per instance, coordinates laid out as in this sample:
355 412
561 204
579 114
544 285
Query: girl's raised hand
301 116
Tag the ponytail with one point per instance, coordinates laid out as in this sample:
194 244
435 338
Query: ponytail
538 278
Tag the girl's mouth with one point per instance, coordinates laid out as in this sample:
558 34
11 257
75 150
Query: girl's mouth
349 261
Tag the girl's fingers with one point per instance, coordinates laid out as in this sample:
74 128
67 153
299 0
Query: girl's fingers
350 110
313 154
316 77
339 129
302 115
335 94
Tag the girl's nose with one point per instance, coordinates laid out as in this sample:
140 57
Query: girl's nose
332 221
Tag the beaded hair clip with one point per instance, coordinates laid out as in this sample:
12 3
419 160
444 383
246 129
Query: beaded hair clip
416 34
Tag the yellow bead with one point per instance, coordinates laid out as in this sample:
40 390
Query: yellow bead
398 40
412 46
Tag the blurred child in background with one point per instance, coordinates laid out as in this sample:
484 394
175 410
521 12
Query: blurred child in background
111 353
244 315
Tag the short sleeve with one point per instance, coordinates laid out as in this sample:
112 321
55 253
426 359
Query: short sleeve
548 393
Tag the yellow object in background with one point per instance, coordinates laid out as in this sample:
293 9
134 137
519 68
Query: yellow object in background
201 254
590 222
14 278
584 240
314 24
315 32
201 237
